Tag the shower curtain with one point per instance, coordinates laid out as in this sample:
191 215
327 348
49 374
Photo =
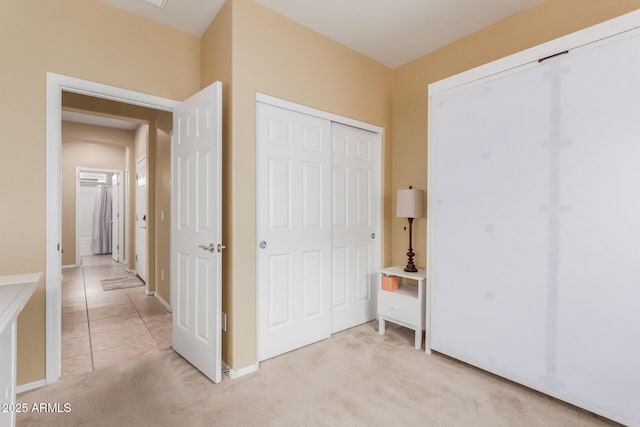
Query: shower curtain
101 234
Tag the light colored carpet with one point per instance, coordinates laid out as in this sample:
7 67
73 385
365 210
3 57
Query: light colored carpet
355 378
121 283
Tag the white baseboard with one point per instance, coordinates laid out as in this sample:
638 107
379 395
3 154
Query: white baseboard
236 373
163 302
70 266
30 386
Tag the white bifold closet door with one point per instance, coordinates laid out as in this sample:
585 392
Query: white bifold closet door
318 220
534 226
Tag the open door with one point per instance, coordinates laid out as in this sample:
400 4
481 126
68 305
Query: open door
141 218
115 217
196 230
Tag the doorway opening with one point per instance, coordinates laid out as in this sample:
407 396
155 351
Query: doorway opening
99 213
83 96
108 312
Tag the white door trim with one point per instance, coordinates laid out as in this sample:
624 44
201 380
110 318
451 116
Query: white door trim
277 102
379 131
78 169
56 83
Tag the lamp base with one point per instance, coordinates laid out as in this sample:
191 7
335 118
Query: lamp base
411 269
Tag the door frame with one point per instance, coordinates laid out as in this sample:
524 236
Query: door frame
120 202
379 131
56 83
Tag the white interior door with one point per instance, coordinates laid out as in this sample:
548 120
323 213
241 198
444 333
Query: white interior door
196 230
355 190
141 218
115 217
293 228
84 218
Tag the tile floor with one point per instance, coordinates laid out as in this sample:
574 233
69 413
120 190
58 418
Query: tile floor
106 328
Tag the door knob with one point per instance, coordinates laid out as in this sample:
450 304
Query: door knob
263 244
220 247
210 248
373 235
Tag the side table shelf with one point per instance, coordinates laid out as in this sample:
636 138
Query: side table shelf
406 306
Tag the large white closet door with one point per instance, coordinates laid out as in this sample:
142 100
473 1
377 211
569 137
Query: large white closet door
355 225
294 230
534 216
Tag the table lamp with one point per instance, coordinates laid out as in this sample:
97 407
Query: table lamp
410 205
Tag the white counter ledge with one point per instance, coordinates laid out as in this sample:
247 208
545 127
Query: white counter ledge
15 291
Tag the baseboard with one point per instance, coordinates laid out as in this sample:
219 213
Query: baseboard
30 386
70 266
236 373
163 302
149 293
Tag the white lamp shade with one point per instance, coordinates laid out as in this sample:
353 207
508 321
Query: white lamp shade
410 203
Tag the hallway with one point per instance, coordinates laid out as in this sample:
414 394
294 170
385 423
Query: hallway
103 328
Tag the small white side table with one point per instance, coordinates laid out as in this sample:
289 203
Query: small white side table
15 292
406 306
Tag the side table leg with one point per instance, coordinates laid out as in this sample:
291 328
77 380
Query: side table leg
381 326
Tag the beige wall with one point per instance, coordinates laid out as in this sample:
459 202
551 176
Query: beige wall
278 57
86 146
89 40
216 66
549 20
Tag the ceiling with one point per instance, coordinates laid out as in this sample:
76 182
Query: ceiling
392 32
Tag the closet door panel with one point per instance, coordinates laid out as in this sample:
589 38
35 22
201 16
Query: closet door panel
599 243
355 225
534 230
293 224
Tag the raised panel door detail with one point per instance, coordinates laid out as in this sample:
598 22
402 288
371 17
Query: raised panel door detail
312 195
279 194
183 286
363 150
363 272
339 194
363 188
339 273
202 317
279 286
279 132
311 139
312 281
203 168
339 146
184 131
203 124
182 189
